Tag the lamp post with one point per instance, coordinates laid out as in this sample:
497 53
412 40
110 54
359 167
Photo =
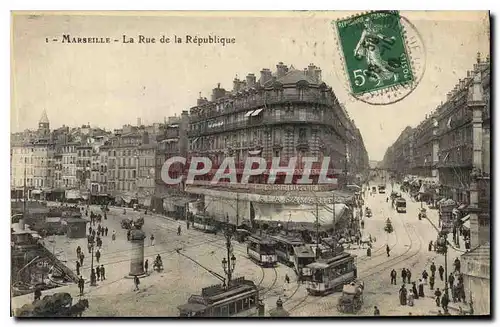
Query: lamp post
229 263
442 248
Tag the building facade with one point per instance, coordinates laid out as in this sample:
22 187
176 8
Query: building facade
286 114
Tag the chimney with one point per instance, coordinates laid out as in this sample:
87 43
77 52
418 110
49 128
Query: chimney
138 121
265 76
251 80
310 70
317 75
236 85
281 70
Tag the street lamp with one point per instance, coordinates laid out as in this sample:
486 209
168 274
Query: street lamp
229 263
442 248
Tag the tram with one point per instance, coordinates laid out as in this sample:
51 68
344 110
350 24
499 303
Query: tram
204 223
217 301
304 256
329 275
285 245
262 250
400 205
381 189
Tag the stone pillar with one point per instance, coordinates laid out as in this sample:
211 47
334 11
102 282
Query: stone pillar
137 237
477 104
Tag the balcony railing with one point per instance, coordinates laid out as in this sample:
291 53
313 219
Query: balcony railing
261 101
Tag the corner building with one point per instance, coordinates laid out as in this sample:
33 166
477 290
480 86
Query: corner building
286 114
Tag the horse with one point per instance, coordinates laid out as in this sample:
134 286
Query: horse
77 309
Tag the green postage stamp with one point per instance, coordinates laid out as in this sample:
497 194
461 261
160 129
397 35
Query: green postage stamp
374 51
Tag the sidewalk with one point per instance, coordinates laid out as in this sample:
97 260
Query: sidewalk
433 218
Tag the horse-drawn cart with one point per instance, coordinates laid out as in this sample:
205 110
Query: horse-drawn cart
352 298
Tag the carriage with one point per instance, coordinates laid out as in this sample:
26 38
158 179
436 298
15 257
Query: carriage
352 297
422 213
126 223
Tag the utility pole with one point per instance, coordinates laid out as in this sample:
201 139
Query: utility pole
334 218
317 230
237 209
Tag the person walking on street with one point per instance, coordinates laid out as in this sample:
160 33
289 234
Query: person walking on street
451 280
187 224
402 295
78 265
89 247
81 285
393 277
445 300
420 288
78 251
415 291
457 265
425 275
376 311
113 236
146 266
287 279
103 273
441 272
98 272
38 294
431 282
106 231
82 256
438 294
388 250
433 269
430 246
408 276
403 275
152 238
179 230
136 283
98 255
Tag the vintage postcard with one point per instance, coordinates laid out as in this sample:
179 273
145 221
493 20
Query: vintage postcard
250 164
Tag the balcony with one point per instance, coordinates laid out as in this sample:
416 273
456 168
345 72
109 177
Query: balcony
261 101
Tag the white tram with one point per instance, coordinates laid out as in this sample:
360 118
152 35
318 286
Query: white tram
304 256
204 223
331 274
217 301
262 250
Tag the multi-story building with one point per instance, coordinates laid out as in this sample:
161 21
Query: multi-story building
288 114
171 143
83 168
103 171
399 157
69 163
146 154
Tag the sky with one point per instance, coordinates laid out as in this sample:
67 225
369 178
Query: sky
109 85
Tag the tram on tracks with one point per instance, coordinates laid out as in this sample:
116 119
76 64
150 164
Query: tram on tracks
205 224
217 301
331 274
285 245
262 250
304 256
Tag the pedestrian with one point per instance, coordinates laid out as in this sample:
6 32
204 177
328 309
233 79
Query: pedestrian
287 279
105 216
387 249
420 288
146 265
187 224
431 282
445 300
128 235
98 272
103 273
411 298
441 272
402 295
78 265
376 311
92 276
136 283
113 236
89 247
81 285
430 246
414 289
106 231
403 275
98 255
451 280
179 230
152 240
408 275
424 277
369 251
393 277
78 251
38 294
438 294
457 265
362 224
93 233
433 269
82 256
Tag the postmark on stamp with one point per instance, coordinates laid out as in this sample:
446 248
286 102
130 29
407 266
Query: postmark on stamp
381 54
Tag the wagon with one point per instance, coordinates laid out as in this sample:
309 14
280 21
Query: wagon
352 298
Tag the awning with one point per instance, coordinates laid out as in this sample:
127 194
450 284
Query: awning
249 113
173 125
36 192
258 111
254 152
73 194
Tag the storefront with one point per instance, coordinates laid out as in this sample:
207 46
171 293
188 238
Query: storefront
477 281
